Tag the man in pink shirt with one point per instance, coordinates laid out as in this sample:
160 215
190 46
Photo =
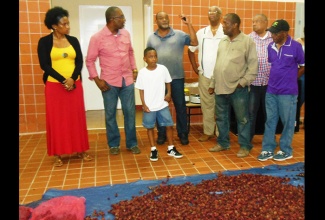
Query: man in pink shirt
112 45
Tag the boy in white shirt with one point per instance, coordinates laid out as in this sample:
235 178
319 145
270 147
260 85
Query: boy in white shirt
152 82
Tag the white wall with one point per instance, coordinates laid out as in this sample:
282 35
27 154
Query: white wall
300 20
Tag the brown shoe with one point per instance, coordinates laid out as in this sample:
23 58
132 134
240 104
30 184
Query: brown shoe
85 156
243 152
134 150
205 137
218 148
114 150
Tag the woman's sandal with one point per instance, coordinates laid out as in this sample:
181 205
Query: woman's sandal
58 161
85 156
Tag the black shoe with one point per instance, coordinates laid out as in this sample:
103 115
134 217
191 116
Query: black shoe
173 152
161 139
154 155
184 139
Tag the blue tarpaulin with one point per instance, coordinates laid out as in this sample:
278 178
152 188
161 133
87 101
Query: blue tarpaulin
101 198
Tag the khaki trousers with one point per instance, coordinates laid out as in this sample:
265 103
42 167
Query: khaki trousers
207 107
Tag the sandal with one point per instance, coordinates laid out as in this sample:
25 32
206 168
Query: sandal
58 161
85 156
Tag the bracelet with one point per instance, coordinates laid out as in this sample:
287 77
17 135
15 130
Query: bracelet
135 71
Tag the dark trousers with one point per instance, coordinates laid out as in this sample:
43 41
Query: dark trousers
178 97
301 100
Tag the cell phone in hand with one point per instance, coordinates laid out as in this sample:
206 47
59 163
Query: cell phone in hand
184 18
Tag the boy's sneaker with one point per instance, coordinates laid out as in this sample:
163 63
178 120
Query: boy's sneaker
154 155
265 155
281 156
173 152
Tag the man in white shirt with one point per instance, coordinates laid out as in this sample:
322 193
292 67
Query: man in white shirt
209 38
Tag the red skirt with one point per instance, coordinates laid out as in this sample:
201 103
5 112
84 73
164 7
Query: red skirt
66 126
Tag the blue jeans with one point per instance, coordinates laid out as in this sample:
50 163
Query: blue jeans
110 97
239 101
283 107
178 97
256 99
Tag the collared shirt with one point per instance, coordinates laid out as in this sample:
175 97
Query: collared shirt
236 64
264 66
208 47
170 50
116 57
284 67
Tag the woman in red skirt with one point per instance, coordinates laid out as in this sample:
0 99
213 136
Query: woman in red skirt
61 60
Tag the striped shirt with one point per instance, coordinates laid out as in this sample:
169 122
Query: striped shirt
264 66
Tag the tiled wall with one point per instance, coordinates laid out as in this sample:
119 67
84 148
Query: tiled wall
31 87
31 28
198 12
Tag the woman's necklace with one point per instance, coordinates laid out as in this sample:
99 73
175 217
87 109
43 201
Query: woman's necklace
60 41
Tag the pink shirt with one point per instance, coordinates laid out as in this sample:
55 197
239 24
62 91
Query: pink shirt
116 57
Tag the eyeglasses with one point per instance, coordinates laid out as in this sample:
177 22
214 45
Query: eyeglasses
119 17
213 12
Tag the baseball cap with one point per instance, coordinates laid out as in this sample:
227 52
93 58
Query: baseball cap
279 25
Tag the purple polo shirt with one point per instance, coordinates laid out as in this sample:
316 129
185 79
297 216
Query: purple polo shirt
284 67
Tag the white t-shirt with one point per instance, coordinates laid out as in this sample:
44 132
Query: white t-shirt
153 84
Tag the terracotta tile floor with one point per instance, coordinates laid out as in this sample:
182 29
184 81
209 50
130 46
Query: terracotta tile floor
37 174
